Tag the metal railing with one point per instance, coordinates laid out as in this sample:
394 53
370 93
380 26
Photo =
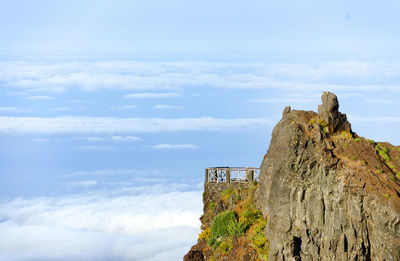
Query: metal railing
231 174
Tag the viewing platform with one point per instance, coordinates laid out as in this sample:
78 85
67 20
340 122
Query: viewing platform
231 174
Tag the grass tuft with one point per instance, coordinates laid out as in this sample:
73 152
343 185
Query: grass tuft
226 194
224 224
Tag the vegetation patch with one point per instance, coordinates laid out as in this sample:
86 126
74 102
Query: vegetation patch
384 154
358 139
211 207
382 151
258 240
322 123
324 126
346 135
224 224
225 246
205 234
242 223
226 194
343 137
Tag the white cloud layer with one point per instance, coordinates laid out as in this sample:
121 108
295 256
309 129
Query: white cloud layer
62 109
83 183
107 125
134 75
152 95
95 147
40 97
95 139
13 109
149 226
174 147
124 138
284 100
8 109
125 107
166 107
112 172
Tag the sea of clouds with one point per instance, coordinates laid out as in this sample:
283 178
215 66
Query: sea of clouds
156 221
124 215
54 76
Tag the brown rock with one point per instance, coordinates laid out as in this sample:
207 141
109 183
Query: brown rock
322 194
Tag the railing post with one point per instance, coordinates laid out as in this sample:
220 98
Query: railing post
250 175
228 175
206 181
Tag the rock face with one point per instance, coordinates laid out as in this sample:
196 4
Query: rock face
328 194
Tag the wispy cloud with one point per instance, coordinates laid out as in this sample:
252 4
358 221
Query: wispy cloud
112 172
78 101
40 97
166 107
125 107
62 109
14 109
174 146
8 109
95 147
152 95
284 100
106 125
124 138
83 183
95 139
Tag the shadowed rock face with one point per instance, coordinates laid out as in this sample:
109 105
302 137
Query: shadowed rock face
329 112
327 194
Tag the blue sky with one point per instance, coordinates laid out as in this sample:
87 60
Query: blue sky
111 110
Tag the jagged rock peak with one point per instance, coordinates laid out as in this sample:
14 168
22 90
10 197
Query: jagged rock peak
329 112
286 111
330 107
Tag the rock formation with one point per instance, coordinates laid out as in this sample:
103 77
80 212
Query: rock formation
325 194
328 194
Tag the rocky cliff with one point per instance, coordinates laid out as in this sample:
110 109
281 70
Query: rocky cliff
328 194
325 194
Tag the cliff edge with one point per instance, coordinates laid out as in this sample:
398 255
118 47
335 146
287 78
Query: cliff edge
327 193
324 194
